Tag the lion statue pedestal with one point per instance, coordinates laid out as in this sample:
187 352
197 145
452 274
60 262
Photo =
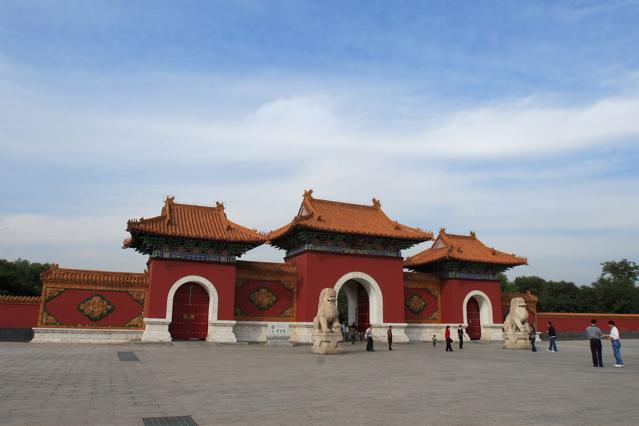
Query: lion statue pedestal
516 328
327 332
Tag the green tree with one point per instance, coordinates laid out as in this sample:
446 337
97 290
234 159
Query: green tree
533 283
20 277
506 285
615 289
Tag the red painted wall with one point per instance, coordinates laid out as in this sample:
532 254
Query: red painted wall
318 270
19 315
164 273
431 305
246 301
577 323
453 293
65 308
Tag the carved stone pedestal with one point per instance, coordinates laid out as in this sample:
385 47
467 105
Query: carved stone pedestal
516 341
326 343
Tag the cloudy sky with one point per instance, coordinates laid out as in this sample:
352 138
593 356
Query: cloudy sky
519 120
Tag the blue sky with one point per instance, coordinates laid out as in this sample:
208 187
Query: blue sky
514 119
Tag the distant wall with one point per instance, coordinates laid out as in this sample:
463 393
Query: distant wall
19 312
573 325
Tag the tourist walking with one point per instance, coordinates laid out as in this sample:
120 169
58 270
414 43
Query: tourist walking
389 333
552 338
449 347
434 340
615 340
532 336
369 339
594 334
354 333
460 334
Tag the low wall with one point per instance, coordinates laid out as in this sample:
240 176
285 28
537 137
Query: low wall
573 325
19 311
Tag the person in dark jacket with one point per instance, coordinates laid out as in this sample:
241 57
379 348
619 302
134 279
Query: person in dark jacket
532 336
460 334
552 338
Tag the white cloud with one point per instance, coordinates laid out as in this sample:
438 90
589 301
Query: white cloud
423 173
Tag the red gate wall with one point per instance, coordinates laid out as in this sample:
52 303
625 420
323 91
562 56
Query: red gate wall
19 312
318 270
454 292
165 272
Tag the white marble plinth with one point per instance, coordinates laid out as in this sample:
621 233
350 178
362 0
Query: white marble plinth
84 335
326 343
221 331
156 330
516 341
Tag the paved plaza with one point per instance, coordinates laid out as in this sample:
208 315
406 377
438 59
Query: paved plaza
81 384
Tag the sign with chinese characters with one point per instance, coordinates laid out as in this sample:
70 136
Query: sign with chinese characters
277 329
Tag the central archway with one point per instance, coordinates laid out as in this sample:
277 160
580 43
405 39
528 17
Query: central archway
187 282
374 293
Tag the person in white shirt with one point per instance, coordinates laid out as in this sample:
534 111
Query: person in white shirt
369 339
616 343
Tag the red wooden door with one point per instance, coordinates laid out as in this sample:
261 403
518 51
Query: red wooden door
363 317
474 324
190 320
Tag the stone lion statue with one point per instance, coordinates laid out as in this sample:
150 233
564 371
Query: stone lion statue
517 319
327 320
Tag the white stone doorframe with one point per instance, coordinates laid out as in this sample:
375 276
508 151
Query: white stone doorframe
208 286
375 299
157 329
485 307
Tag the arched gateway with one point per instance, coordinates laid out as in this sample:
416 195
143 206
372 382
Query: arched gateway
365 301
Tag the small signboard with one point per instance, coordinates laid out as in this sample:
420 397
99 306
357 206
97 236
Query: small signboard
277 329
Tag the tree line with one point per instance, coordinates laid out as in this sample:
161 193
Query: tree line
21 277
615 291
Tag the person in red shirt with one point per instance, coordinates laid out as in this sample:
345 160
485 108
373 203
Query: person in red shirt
449 347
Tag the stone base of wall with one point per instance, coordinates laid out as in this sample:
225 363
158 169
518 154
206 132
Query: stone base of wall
424 332
84 335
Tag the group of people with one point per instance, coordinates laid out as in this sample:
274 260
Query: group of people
593 334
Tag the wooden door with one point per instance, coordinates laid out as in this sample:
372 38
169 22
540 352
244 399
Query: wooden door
474 324
190 319
363 318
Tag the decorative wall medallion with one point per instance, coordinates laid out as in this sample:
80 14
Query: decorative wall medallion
136 322
95 307
48 319
433 291
52 293
415 304
138 296
289 313
263 298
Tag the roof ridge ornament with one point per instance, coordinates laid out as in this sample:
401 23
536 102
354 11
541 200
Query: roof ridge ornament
168 202
473 235
308 194
377 204
219 205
